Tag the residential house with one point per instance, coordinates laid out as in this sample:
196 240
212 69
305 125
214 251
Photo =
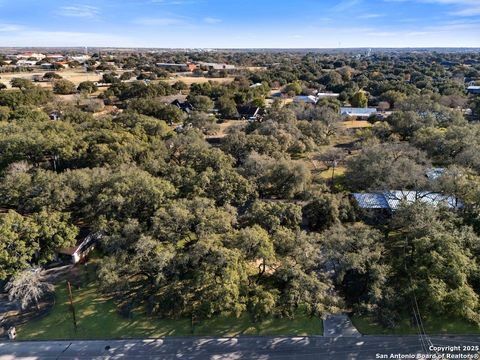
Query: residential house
56 57
251 113
322 95
185 106
31 55
357 112
308 99
26 62
475 90
216 66
85 243
390 201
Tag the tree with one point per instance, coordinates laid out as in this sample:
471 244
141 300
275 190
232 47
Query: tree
64 87
389 166
54 232
127 75
436 263
88 87
180 86
28 287
22 84
201 103
360 99
51 75
18 243
322 212
356 254
202 121
227 107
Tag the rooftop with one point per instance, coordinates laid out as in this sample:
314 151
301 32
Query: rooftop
391 200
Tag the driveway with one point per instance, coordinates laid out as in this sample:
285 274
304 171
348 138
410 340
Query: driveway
339 326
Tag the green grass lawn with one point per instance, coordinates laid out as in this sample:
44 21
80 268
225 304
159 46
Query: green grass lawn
437 325
97 318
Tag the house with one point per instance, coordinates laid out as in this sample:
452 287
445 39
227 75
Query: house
184 106
357 112
85 243
322 95
391 200
173 66
475 90
251 113
31 55
308 99
47 66
26 62
216 66
191 67
80 58
60 64
57 57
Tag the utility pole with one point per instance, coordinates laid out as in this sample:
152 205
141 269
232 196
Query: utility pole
72 308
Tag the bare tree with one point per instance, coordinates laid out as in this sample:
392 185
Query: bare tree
28 287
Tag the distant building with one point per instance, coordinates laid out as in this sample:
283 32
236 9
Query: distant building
216 66
173 66
251 113
474 90
85 243
80 58
26 62
31 55
184 106
391 200
321 95
357 112
308 99
47 66
57 57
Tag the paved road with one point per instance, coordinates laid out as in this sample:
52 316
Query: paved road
262 348
339 326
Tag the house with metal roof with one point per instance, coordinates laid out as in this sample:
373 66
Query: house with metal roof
474 90
357 112
392 200
309 99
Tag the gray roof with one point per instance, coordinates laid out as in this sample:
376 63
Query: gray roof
371 201
357 111
391 200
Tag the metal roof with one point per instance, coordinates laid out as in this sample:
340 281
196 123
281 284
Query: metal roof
357 111
371 201
391 200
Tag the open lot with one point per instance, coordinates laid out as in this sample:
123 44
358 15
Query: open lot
74 75
97 318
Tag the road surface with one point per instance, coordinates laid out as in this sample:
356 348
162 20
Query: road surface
263 348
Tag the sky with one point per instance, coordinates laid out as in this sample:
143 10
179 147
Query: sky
240 23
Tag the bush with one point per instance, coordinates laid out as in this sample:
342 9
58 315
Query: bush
64 87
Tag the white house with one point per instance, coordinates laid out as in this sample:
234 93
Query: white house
357 112
308 99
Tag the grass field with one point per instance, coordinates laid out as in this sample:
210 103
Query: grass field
97 318
437 325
